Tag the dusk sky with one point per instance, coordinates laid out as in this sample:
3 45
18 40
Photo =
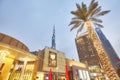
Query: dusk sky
32 21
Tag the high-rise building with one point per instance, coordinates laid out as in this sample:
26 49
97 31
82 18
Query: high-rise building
108 48
87 53
86 49
53 39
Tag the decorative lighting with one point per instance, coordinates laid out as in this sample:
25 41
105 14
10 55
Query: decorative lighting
3 54
24 59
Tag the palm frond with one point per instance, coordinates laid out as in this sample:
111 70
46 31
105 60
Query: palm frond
75 22
91 3
79 7
96 11
75 18
84 9
77 14
75 26
80 28
73 12
99 25
96 20
102 13
92 7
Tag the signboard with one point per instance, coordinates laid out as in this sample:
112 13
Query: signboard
52 59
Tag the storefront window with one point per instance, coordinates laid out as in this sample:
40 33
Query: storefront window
83 75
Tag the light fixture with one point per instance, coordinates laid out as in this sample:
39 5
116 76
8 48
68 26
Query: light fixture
3 54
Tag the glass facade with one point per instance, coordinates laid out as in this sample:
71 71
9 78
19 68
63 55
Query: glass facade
80 74
108 48
78 70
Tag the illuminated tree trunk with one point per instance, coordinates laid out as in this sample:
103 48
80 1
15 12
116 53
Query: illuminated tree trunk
104 59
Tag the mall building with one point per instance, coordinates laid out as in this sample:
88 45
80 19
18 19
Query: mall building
49 58
77 70
16 62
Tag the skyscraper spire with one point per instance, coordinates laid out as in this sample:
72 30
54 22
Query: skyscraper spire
53 39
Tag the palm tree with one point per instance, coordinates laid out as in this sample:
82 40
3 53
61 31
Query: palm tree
85 17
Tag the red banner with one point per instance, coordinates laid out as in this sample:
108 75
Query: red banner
50 74
67 72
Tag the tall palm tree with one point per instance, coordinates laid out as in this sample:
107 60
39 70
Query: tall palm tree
85 17
84 14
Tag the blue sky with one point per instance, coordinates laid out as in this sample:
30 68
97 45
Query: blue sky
32 21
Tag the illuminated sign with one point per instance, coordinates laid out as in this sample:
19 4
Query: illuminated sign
52 59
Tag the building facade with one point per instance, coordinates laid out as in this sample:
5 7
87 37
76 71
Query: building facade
87 52
77 70
50 58
16 62
108 48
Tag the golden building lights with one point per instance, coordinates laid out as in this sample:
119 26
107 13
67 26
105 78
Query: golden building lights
3 54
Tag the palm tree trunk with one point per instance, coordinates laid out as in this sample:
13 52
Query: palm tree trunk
104 59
